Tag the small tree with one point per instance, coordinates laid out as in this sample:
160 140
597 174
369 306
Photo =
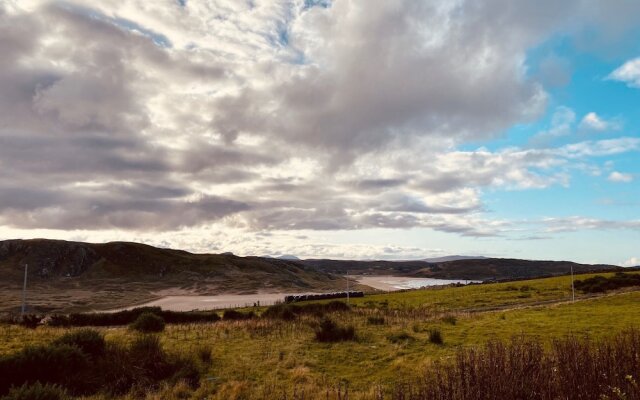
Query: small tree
148 323
329 331
89 341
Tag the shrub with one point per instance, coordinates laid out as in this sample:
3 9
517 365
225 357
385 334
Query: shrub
89 341
148 323
37 391
599 283
435 336
147 351
284 312
526 369
401 337
375 320
142 366
233 315
186 371
127 317
449 319
59 364
288 312
30 321
204 354
329 331
175 317
112 369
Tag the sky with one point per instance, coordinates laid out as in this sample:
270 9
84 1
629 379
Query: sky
325 129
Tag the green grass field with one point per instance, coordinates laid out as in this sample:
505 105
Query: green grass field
251 358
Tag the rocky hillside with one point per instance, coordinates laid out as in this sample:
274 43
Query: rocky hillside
55 260
73 275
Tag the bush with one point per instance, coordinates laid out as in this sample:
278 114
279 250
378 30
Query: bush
289 312
112 369
204 354
37 391
148 323
329 331
570 368
233 315
375 320
186 371
435 336
144 364
401 337
284 312
59 364
600 284
127 317
147 351
30 321
449 319
175 317
89 341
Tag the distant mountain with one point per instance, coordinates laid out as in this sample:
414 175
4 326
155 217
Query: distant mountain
452 258
467 269
288 257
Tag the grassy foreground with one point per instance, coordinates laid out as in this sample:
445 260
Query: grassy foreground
265 358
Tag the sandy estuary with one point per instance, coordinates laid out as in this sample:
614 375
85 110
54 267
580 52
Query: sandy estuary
194 302
391 283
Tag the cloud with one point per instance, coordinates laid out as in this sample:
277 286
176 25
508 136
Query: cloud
555 71
578 223
593 122
620 177
276 115
632 262
562 123
629 73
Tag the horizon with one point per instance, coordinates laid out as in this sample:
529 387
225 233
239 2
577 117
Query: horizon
293 257
325 129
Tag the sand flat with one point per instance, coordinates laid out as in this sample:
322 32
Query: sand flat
178 300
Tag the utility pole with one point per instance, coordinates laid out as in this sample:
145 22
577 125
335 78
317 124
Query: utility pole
347 287
573 289
24 290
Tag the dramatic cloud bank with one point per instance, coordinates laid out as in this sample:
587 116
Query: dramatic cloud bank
286 115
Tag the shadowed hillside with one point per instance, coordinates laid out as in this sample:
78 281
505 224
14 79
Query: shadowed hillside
75 276
471 269
133 272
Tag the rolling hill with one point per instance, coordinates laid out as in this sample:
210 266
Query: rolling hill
68 274
482 269
79 276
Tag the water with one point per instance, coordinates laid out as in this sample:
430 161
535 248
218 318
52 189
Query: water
403 282
194 302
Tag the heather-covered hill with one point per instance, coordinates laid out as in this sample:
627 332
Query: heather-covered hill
85 273
471 269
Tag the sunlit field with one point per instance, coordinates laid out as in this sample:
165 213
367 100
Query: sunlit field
394 338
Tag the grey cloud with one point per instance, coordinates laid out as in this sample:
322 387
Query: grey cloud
106 208
381 81
83 158
379 184
576 223
202 156
408 204
109 122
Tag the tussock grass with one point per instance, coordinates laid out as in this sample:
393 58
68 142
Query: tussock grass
271 357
